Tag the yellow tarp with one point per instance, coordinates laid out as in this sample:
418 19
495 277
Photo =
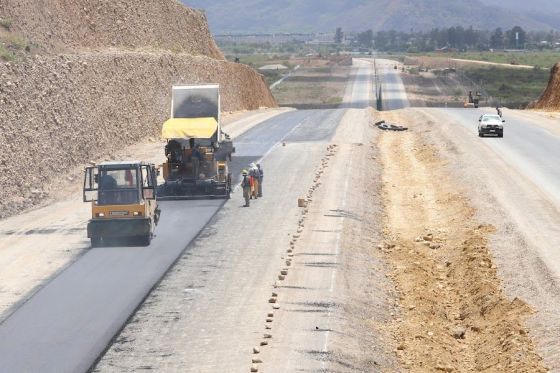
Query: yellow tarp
195 128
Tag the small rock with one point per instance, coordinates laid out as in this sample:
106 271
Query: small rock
459 333
428 237
281 277
284 272
269 319
254 368
434 246
274 294
275 307
264 343
272 300
267 336
270 314
256 350
256 360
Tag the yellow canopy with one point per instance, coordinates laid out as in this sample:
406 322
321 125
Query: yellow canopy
192 128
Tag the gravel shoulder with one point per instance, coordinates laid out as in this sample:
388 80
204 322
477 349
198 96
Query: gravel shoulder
526 219
455 315
336 298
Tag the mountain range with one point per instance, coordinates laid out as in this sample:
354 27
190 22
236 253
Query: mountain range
265 16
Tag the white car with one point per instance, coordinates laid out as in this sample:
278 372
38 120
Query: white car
491 124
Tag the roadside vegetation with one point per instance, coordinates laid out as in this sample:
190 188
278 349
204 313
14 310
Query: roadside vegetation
259 60
513 88
544 59
12 46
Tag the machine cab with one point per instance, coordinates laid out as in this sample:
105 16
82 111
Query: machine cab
120 183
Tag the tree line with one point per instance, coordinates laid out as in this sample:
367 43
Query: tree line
456 38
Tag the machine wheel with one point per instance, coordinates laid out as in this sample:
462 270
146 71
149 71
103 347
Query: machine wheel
480 134
228 193
501 134
95 242
145 240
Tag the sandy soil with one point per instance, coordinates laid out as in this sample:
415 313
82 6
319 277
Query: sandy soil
314 87
524 245
454 315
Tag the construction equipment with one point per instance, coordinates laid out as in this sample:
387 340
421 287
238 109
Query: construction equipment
123 201
473 101
198 152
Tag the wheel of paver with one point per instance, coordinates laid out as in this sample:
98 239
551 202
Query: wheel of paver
228 187
145 240
95 242
479 134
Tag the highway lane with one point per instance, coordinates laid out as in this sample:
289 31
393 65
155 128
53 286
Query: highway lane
394 94
212 303
70 321
533 150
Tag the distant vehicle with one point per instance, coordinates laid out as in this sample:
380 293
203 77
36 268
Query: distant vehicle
473 101
491 124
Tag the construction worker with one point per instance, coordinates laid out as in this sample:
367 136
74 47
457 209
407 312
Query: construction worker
261 176
254 174
246 185
196 157
499 111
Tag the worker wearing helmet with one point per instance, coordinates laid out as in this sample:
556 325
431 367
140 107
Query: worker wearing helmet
260 176
246 185
254 175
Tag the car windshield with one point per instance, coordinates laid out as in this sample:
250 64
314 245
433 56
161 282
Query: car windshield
118 187
490 118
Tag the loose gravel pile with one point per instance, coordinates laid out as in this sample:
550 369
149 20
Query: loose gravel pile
550 100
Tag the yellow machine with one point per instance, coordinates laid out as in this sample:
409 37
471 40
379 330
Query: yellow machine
123 202
197 151
473 101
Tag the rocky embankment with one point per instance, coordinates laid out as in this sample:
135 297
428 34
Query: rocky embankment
550 99
101 80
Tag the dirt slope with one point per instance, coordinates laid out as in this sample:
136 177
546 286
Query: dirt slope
79 24
550 99
98 79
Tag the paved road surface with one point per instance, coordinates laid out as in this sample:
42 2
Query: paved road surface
535 151
69 322
209 311
394 94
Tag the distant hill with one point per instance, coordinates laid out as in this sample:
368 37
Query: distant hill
357 15
545 11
